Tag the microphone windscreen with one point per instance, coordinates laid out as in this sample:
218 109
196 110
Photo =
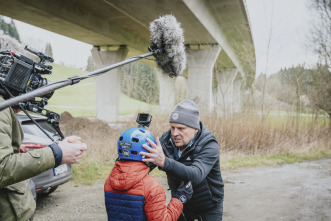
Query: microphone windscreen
167 35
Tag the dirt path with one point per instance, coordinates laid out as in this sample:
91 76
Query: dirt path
291 192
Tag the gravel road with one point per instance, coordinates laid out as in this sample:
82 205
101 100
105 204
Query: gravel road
300 191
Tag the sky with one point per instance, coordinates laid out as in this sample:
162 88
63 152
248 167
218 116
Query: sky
279 28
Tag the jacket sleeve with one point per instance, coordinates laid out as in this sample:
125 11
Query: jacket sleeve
155 203
16 167
200 167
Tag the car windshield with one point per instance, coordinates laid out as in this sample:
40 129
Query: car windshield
30 128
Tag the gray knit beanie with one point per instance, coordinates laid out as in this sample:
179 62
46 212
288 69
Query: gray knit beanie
187 113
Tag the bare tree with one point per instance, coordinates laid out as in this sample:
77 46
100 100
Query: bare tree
321 30
267 60
320 91
246 54
297 78
223 86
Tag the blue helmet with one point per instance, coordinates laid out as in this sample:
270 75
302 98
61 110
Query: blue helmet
131 141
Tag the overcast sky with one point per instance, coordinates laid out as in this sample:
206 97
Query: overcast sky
65 50
284 22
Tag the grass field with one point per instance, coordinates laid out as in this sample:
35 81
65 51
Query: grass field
79 99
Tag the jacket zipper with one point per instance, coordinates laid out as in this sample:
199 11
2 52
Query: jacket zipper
184 153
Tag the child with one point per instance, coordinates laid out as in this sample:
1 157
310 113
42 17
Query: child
131 193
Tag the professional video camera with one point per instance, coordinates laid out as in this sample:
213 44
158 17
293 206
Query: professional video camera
20 74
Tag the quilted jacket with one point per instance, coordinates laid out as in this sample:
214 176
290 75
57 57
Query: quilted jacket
132 194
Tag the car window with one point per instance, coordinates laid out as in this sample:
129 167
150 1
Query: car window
30 128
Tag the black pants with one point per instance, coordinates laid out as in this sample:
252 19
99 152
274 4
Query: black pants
214 214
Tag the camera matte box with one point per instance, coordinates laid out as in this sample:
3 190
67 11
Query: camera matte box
18 76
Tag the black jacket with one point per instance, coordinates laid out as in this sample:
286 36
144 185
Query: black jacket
198 163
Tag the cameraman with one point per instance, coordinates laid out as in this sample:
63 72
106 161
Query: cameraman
16 200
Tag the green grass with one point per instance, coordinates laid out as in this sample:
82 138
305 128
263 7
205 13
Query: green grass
280 159
301 121
79 99
61 72
91 172
84 105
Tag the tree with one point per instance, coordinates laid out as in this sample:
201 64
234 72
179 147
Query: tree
9 29
320 90
48 49
12 30
321 31
296 77
140 81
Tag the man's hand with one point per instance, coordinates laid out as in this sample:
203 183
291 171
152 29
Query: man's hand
155 154
184 192
72 149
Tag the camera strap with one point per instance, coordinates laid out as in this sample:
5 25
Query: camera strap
20 106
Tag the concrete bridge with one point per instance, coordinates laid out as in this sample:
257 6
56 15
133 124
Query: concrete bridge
220 49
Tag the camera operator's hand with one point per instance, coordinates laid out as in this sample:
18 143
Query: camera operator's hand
72 149
184 192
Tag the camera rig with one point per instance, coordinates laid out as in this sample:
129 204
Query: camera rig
19 75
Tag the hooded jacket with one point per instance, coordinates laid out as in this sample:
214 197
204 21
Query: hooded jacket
16 200
132 194
199 163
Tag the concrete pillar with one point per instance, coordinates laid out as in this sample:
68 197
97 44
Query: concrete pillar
227 94
167 92
237 101
200 65
108 85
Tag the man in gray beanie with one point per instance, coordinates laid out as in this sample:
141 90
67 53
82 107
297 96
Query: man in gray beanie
190 152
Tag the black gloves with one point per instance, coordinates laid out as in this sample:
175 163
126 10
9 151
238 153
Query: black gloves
184 192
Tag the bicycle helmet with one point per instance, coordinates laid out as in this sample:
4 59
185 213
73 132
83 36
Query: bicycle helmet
131 141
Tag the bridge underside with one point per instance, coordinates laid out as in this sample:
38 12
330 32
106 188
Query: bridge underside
215 29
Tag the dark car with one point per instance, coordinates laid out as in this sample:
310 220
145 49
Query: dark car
34 138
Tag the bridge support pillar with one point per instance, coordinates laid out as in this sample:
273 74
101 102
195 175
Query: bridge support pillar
228 91
108 85
167 92
200 75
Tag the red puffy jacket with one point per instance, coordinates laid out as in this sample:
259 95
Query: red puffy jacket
132 178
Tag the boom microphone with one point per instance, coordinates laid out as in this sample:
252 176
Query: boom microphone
167 46
167 34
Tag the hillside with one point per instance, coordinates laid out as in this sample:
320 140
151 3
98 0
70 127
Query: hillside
79 99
